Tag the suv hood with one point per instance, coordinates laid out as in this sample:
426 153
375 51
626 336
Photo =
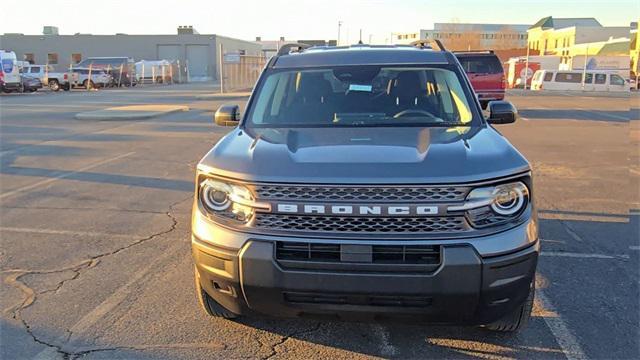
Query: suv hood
381 155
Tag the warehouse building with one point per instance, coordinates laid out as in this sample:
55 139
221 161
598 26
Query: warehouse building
197 53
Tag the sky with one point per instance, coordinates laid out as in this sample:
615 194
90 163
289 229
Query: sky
302 19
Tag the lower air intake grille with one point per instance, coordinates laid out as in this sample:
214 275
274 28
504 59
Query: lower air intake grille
353 299
380 254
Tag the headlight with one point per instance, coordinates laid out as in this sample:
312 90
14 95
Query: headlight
494 205
509 199
228 200
215 195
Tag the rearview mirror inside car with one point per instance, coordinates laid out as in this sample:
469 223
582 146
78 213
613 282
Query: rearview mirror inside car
227 115
502 112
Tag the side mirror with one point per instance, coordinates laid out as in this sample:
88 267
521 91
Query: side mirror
502 112
227 115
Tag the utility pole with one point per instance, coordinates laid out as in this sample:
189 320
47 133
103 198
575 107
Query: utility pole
526 68
584 67
360 41
339 26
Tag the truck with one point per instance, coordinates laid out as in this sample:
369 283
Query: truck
365 182
54 80
516 68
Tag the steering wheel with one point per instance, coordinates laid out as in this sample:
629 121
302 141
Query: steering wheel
413 112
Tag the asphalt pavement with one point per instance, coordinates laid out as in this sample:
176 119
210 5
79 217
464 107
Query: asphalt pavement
95 238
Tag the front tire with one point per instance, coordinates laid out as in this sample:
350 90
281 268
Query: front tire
517 319
208 304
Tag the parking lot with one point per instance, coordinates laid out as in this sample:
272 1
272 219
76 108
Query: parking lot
95 238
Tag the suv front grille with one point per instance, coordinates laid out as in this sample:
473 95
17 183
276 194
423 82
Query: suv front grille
355 225
365 194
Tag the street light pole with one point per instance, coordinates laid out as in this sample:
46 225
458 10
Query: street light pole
339 25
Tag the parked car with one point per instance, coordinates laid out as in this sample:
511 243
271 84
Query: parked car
30 84
486 74
99 78
9 72
366 181
563 80
122 69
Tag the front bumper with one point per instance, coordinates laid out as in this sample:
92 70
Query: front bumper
465 288
489 95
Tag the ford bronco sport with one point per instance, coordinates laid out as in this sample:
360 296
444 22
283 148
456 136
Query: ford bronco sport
364 181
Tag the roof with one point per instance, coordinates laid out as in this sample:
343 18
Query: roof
559 23
615 48
465 27
361 55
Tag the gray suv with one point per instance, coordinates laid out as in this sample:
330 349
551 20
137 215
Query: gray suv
365 181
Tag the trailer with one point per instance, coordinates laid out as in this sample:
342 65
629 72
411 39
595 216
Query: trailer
154 71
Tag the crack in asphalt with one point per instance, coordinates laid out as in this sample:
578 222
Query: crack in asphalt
274 350
29 295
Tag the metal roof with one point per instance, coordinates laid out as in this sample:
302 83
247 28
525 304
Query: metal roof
559 23
361 55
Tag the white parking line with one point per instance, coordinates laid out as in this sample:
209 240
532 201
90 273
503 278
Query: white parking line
582 255
566 340
62 176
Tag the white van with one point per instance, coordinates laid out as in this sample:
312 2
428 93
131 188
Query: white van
572 80
9 72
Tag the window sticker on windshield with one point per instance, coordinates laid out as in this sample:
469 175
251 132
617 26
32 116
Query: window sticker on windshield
356 87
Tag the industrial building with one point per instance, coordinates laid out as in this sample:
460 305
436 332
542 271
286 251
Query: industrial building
196 53
271 47
464 36
567 37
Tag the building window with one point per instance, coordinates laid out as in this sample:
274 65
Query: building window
76 58
52 59
30 58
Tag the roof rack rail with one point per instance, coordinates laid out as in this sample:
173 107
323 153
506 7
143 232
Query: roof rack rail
473 51
292 47
427 44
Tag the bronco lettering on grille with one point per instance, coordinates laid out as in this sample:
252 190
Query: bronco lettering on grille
359 210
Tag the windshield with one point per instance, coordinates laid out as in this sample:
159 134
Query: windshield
361 96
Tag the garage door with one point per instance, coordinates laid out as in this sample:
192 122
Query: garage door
198 62
169 52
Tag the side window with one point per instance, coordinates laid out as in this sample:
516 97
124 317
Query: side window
616 80
568 77
601 78
35 70
548 76
588 78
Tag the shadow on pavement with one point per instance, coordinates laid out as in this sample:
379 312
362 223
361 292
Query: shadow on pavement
571 114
